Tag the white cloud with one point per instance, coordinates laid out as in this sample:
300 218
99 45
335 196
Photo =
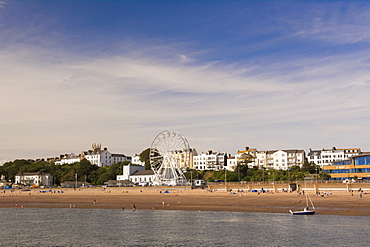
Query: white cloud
55 101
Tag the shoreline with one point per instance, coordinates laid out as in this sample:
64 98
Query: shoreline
152 198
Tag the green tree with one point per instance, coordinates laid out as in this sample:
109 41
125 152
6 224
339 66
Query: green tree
10 169
84 168
241 170
325 176
144 157
70 175
309 167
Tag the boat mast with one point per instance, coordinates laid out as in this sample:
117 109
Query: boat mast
310 201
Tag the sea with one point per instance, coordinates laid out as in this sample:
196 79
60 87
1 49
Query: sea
114 227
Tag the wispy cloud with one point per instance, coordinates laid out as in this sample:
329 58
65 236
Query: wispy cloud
2 4
134 97
336 22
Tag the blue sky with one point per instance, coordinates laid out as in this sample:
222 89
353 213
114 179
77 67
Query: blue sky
225 74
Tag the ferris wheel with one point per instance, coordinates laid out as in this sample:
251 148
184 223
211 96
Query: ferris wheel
169 156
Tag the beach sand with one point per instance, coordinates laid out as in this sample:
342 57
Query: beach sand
151 198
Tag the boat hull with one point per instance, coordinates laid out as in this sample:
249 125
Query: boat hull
302 212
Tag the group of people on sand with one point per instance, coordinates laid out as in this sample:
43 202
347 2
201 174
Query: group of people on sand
324 193
359 190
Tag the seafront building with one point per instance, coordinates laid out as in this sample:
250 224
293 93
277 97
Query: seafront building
327 157
274 159
231 163
355 167
34 179
210 160
135 174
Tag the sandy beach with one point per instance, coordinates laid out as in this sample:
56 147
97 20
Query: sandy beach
339 203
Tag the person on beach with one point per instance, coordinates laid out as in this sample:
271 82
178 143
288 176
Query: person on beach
134 207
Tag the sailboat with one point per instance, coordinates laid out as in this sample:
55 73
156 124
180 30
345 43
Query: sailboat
306 210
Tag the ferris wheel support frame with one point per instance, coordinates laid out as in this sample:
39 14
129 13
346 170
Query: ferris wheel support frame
167 149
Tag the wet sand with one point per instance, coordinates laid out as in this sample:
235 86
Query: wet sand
339 203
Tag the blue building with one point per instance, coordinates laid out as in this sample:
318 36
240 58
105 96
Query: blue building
356 166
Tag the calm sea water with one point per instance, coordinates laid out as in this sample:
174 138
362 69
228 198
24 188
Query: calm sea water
104 227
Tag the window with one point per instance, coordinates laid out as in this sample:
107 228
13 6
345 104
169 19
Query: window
362 160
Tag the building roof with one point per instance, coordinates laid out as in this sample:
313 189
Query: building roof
248 150
286 151
314 152
294 151
118 155
118 181
143 172
32 173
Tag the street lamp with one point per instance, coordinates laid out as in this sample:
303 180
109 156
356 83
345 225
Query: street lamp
225 180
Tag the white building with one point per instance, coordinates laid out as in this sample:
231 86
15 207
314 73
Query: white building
285 159
136 160
68 159
261 159
326 157
102 157
273 159
34 178
231 163
96 156
210 161
143 177
136 174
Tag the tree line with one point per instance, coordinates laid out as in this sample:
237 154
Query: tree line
86 172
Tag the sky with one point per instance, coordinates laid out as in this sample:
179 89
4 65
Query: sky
226 74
